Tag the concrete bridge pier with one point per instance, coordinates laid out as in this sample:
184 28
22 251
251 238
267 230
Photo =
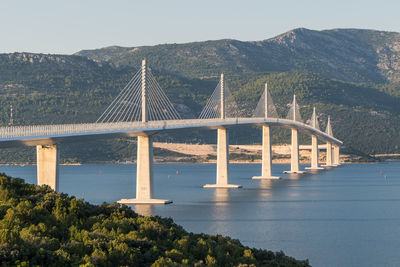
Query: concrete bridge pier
144 161
314 154
47 165
329 161
294 160
266 167
144 175
222 162
336 155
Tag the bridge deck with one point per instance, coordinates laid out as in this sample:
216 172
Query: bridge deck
12 136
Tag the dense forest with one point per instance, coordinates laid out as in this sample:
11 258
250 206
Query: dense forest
72 89
39 227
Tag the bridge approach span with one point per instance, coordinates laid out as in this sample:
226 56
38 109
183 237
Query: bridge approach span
15 136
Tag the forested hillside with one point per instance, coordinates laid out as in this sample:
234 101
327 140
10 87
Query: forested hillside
72 89
366 118
61 89
353 55
39 227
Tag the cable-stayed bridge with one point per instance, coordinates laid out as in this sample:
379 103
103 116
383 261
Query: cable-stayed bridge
142 109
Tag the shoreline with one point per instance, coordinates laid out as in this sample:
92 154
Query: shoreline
183 153
188 162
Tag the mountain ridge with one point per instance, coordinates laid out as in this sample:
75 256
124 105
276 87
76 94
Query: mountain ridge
74 89
346 54
46 88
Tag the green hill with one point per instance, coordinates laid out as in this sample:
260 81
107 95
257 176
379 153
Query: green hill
347 54
364 117
73 89
39 227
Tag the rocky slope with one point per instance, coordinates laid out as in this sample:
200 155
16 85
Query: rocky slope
345 54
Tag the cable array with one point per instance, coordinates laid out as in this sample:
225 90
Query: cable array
160 107
127 106
328 129
314 120
212 109
260 109
294 112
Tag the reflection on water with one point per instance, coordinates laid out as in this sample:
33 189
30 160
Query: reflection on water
265 187
221 196
221 210
145 210
266 183
295 176
347 216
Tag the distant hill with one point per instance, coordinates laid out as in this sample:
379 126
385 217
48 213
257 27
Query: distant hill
346 54
362 99
66 89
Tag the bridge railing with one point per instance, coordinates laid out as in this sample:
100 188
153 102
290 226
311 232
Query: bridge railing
61 129
37 131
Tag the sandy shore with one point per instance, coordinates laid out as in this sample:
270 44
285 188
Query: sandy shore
206 153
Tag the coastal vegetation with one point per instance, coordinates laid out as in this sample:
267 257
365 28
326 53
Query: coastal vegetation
39 227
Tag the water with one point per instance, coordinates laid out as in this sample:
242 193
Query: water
347 216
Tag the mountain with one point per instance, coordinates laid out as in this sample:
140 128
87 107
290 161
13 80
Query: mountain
363 116
55 89
65 89
346 54
363 100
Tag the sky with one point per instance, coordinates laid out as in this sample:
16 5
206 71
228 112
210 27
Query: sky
68 26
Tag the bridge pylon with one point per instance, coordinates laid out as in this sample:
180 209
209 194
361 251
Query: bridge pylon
294 114
144 164
314 144
266 161
329 154
222 178
144 175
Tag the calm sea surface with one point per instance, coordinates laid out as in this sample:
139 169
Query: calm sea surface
347 216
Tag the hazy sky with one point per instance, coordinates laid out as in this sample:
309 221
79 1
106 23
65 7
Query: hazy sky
55 26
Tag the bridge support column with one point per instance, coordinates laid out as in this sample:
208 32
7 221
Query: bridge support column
222 162
47 165
314 154
336 155
266 167
294 160
329 162
144 175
